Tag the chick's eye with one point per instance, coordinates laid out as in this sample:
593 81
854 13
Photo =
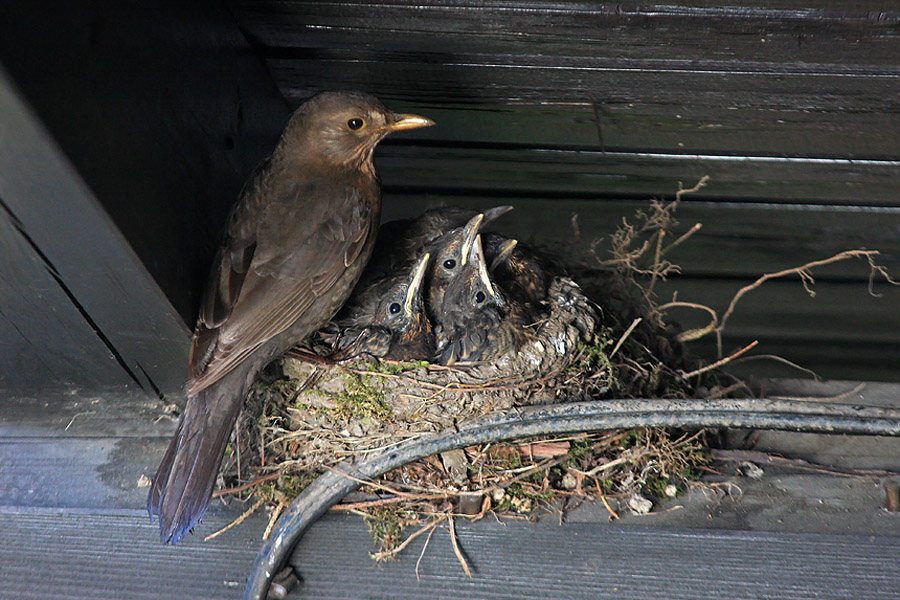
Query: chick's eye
449 263
479 297
394 308
355 123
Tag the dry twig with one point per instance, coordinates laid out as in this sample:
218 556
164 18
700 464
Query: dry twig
456 550
244 516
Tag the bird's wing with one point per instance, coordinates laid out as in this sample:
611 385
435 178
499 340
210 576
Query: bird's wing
262 286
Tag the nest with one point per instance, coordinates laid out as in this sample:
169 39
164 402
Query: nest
597 335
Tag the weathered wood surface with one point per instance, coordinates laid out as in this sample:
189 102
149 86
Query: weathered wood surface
104 556
126 132
737 239
778 78
74 526
64 554
841 333
162 109
792 110
77 307
563 174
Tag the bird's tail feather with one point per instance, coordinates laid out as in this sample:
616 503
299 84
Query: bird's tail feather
182 488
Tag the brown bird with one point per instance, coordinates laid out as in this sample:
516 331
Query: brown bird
387 318
295 244
478 321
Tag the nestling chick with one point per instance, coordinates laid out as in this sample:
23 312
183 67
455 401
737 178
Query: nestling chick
478 321
517 269
387 318
405 239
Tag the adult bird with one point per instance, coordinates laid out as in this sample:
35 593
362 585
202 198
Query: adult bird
295 244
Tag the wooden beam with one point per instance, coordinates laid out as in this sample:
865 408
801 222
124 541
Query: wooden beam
84 283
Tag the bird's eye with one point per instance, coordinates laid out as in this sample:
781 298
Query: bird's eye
479 297
394 308
449 263
355 123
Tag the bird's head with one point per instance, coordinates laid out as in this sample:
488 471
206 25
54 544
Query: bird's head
343 127
402 304
498 250
402 313
451 251
473 289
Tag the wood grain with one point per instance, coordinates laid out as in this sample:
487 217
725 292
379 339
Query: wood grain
773 77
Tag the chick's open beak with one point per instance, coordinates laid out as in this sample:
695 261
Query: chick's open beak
469 233
408 121
477 257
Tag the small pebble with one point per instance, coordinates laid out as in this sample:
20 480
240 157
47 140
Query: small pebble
639 505
522 505
750 470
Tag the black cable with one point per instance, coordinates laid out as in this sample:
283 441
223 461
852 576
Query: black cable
566 418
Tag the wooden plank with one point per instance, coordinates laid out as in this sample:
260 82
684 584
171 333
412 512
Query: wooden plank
38 472
46 344
166 111
102 439
638 107
513 559
109 556
91 264
841 333
840 312
109 412
686 75
84 556
682 125
485 170
579 28
738 239
871 361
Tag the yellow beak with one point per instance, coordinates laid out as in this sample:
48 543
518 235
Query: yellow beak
416 283
469 233
505 252
478 258
407 121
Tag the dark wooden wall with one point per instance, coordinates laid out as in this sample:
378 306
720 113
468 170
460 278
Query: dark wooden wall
126 130
156 113
791 107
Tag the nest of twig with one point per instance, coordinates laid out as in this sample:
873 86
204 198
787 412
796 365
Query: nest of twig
601 334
